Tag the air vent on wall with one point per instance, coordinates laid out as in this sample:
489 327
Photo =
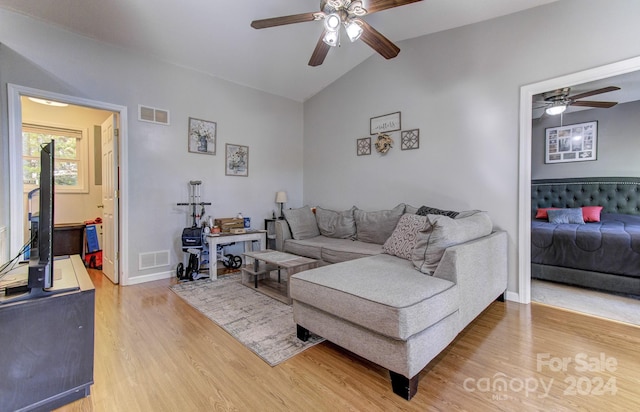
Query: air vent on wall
151 260
153 115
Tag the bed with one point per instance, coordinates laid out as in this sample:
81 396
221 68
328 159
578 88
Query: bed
602 254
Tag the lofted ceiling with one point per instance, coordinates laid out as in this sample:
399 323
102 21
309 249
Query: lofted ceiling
215 36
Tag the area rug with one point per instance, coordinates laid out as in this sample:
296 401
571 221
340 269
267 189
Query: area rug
259 322
605 305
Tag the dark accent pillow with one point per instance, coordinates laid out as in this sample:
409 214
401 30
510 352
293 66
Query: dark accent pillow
426 210
573 215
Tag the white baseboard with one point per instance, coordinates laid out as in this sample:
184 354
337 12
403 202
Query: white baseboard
513 297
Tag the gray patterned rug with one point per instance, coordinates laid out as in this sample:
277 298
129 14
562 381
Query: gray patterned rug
259 322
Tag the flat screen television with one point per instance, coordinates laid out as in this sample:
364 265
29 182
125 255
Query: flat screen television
41 259
40 272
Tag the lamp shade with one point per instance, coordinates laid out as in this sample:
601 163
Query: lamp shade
281 197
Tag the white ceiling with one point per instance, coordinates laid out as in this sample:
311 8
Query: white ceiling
215 36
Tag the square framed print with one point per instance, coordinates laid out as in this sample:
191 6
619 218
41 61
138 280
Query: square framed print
236 160
410 139
363 146
571 143
202 136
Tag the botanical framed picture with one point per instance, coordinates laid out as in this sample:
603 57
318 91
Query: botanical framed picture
410 139
387 123
363 146
236 160
571 143
202 136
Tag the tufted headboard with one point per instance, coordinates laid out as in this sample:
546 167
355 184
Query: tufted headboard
615 194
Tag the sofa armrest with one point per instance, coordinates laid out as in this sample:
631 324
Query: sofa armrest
283 232
479 268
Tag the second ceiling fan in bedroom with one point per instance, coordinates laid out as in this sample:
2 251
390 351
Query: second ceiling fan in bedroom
347 13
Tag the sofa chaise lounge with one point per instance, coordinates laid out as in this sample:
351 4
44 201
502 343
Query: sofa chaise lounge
399 307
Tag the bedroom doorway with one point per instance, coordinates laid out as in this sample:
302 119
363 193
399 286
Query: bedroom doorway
524 215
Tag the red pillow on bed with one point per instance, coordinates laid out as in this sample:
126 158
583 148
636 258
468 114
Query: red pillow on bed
591 213
542 212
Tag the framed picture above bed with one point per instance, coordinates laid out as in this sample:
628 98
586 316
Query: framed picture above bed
571 143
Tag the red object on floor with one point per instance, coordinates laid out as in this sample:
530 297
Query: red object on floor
93 260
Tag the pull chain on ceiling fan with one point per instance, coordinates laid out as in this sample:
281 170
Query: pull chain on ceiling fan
347 13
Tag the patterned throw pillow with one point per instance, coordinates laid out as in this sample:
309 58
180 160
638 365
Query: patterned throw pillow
426 210
405 236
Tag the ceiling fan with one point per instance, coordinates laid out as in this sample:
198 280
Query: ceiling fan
557 101
342 12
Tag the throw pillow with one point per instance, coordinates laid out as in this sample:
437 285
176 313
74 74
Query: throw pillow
376 227
542 212
302 222
426 210
591 213
405 236
443 232
573 215
410 209
340 225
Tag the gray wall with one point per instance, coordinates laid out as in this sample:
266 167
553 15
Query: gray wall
461 88
36 55
618 144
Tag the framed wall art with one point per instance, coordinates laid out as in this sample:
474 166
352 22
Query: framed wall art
363 146
387 123
236 160
571 143
410 139
202 136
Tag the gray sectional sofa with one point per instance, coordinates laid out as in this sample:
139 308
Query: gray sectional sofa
398 285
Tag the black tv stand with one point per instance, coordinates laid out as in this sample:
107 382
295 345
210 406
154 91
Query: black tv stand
47 346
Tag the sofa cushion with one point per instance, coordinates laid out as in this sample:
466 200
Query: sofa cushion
302 222
311 248
340 250
392 297
405 236
340 225
444 232
376 227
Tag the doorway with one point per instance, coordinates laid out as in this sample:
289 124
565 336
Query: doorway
17 205
524 214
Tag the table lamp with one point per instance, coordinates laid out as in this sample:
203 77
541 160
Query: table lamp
281 197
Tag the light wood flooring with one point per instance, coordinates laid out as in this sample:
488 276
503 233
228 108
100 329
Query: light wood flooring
153 352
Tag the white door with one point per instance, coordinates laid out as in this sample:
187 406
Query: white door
110 188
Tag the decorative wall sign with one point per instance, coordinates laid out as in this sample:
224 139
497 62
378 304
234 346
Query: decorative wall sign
363 146
571 143
236 160
387 123
410 139
202 136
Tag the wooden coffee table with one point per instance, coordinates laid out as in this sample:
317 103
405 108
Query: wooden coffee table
267 261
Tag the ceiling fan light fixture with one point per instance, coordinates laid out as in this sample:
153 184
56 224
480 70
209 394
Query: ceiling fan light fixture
48 102
331 38
354 29
557 108
332 22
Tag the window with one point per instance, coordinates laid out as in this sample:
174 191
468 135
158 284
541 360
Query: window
69 170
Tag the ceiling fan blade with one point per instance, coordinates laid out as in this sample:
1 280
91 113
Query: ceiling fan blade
280 21
320 52
587 103
594 92
373 6
378 42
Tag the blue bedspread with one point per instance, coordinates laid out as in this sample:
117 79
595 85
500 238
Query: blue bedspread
609 246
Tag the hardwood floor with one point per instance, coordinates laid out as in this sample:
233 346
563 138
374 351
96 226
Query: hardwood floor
153 352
